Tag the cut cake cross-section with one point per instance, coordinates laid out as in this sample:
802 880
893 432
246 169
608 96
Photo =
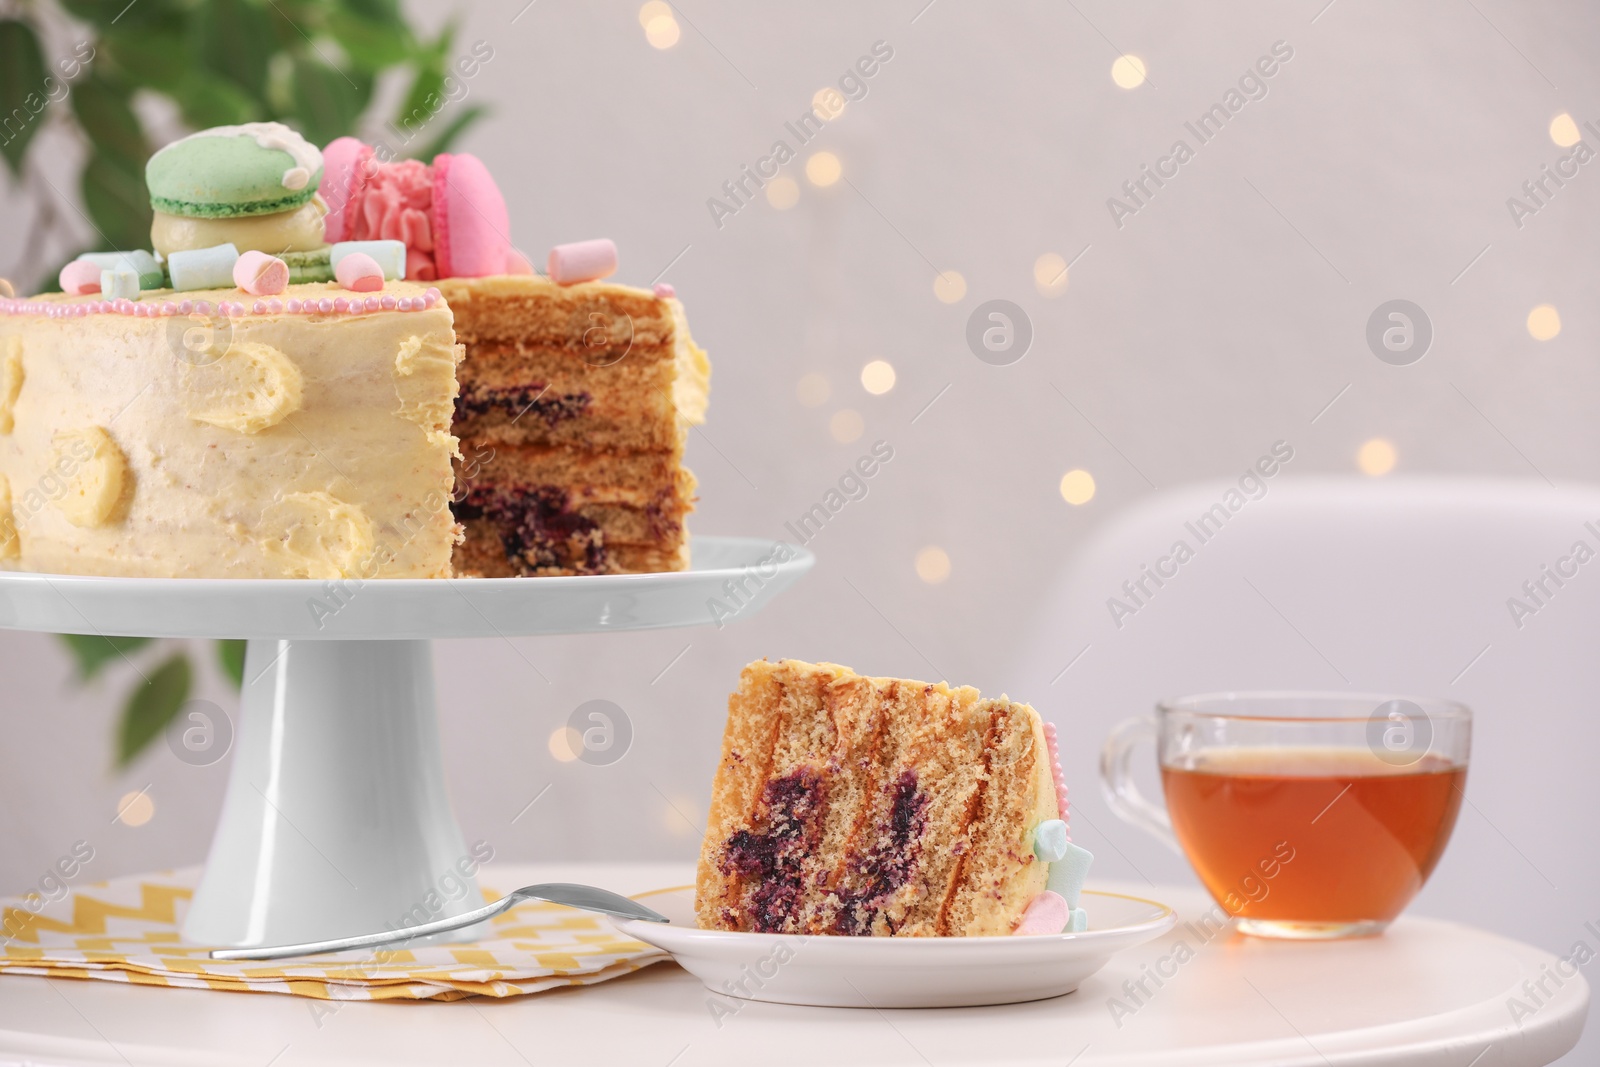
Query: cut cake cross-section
574 409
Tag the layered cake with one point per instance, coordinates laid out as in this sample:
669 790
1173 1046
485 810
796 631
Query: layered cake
878 806
263 393
575 406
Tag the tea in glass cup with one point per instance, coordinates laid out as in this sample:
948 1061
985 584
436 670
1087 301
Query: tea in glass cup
1306 815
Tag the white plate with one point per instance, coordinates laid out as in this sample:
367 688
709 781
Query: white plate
729 578
898 972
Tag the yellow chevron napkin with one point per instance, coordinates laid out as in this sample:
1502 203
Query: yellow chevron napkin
126 930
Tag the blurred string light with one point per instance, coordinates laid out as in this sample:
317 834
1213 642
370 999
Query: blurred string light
877 377
950 286
1128 71
933 565
565 743
1050 274
813 390
1077 487
660 27
1544 322
135 809
1376 457
846 426
823 169
783 192
828 102
1564 131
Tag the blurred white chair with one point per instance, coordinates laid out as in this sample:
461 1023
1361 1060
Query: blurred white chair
1401 585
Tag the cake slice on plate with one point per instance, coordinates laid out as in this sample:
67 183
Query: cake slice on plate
878 806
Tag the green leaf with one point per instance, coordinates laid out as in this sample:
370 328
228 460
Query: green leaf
22 89
207 101
433 63
232 38
103 113
152 706
156 56
328 102
230 656
375 10
371 46
453 130
93 652
116 200
115 15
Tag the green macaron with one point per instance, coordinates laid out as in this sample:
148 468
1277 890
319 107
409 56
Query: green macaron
233 172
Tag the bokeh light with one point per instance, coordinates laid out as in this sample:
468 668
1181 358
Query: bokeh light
933 565
783 192
1050 274
662 31
950 286
1077 487
828 102
877 377
813 390
1128 72
846 426
1544 322
135 809
823 169
1564 131
1377 457
565 743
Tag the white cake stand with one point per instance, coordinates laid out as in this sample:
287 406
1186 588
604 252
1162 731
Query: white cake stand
336 820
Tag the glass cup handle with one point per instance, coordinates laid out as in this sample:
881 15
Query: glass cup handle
1116 778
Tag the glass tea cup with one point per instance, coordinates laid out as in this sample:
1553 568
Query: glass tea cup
1306 815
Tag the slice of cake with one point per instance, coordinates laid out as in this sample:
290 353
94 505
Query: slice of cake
878 806
575 406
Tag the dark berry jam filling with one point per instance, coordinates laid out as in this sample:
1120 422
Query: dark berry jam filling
536 527
772 856
870 877
533 400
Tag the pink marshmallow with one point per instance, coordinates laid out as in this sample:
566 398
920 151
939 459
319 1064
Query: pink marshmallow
359 273
260 274
583 261
1047 913
664 291
80 277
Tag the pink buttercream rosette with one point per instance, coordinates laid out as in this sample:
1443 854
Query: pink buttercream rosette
450 214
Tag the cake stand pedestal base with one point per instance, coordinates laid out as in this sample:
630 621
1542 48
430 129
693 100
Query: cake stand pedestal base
336 819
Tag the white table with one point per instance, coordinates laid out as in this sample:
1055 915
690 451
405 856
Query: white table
1428 994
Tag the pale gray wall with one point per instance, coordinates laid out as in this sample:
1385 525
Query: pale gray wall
1220 318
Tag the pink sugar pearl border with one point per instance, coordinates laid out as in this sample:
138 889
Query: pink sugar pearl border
230 309
1061 780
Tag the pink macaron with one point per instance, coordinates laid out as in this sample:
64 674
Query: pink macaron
471 226
346 164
